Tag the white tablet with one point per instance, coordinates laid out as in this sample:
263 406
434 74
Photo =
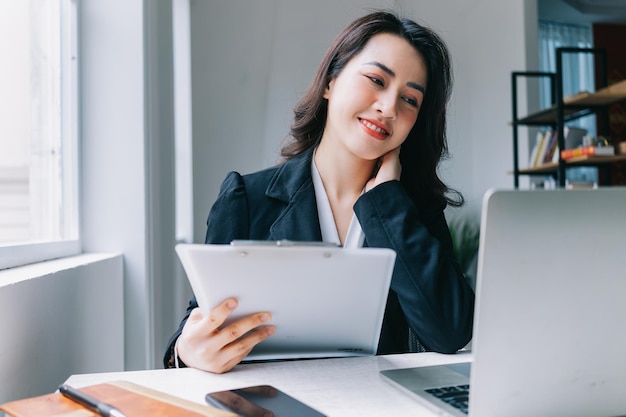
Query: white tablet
325 301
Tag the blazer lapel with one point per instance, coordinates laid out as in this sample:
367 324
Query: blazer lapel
293 184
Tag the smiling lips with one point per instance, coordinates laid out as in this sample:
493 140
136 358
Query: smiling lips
374 130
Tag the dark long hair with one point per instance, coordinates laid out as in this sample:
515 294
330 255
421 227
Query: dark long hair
426 143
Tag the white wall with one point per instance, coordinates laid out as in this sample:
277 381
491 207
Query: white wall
127 186
59 318
251 61
503 39
114 152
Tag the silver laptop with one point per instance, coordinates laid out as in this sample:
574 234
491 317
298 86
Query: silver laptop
550 319
325 301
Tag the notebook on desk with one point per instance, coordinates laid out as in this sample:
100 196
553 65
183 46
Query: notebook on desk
325 301
550 318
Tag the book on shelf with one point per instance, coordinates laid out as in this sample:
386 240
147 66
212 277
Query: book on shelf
546 148
555 154
541 148
131 399
536 148
552 147
588 151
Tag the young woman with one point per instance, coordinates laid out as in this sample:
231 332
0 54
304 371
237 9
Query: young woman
360 170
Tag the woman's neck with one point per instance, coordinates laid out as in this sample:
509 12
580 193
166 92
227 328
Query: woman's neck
343 174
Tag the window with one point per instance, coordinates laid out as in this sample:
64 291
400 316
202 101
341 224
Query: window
38 131
578 75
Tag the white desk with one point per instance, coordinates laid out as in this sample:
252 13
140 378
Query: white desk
335 387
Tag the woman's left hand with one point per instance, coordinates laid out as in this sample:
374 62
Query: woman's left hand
389 169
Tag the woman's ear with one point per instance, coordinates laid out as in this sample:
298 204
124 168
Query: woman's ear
328 89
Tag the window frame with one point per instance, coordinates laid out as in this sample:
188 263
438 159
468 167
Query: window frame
28 252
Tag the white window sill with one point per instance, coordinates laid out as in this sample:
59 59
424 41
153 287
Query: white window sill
67 317
39 269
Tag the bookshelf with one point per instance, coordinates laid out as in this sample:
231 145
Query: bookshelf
564 110
551 168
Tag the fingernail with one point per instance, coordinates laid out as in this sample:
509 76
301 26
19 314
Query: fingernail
265 317
231 304
270 330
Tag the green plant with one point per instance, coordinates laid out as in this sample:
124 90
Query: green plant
465 233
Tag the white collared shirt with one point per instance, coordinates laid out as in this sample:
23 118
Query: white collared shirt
355 236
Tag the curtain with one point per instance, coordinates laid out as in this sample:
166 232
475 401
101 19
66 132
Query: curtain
578 69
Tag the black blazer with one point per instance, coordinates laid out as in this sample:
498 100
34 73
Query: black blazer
428 291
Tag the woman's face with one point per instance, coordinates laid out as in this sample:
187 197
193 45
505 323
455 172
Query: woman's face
374 101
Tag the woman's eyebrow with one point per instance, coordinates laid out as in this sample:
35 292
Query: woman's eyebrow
389 71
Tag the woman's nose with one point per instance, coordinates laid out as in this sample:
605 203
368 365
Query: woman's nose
386 105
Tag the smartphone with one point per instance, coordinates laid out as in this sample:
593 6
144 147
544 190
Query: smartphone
259 399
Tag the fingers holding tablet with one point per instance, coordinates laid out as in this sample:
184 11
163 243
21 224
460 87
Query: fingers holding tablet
207 344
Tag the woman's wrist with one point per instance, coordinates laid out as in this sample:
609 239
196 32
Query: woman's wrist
178 363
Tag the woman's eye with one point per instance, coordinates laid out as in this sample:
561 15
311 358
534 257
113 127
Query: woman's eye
410 100
375 80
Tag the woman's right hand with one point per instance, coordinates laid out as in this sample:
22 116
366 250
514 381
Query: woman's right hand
206 345
389 169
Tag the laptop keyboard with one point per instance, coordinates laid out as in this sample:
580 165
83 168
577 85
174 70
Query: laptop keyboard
457 396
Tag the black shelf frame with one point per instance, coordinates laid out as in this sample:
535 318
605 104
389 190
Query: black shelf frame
601 82
563 112
527 121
